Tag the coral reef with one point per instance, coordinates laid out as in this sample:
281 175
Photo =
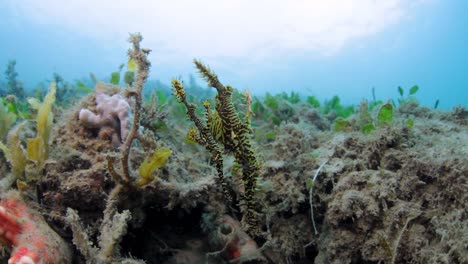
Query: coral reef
386 194
295 190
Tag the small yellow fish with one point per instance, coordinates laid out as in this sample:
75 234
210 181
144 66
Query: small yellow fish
22 186
131 65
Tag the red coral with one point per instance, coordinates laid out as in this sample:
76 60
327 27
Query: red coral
32 240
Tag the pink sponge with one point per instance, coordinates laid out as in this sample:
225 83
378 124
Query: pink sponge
112 115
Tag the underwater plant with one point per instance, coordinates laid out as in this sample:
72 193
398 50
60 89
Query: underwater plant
275 108
138 57
2 89
334 106
313 101
115 76
436 104
409 98
14 86
292 98
66 92
271 101
224 126
37 149
342 125
7 120
266 110
82 88
364 120
16 157
385 114
20 108
93 78
129 78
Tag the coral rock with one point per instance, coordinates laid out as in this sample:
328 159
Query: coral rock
112 117
240 247
31 239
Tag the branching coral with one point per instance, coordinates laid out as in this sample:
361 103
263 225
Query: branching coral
225 126
140 57
113 227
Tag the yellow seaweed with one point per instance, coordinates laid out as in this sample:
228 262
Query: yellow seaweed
38 147
14 152
34 149
5 150
44 113
152 163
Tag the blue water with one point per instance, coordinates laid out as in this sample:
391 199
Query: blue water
426 45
